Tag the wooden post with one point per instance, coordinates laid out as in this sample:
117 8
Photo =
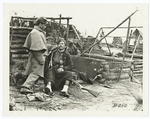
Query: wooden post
129 38
125 48
52 26
67 31
95 40
59 24
135 46
106 42
74 29
58 31
10 42
11 23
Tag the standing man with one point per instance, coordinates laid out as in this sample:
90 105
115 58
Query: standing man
36 45
58 74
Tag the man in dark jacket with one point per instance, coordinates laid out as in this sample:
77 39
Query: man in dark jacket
58 73
36 45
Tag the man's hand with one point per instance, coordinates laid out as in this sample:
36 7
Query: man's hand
41 62
61 62
39 56
60 70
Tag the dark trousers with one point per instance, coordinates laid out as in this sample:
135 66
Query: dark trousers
57 79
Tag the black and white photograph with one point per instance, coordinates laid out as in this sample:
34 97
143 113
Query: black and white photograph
75 59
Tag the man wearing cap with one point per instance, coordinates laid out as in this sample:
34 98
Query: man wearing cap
36 45
58 74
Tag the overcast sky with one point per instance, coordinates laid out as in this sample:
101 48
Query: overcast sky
86 17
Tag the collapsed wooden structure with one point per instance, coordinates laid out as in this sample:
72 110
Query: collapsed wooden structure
88 63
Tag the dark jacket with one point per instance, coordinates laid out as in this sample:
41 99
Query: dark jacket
68 63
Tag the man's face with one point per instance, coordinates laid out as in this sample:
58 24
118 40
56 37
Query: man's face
42 26
61 45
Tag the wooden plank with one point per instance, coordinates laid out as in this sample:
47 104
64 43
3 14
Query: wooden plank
21 28
19 51
138 63
137 41
67 31
126 46
105 27
106 57
124 70
32 18
139 71
19 56
75 32
106 42
138 74
114 76
19 41
59 27
114 64
20 35
24 32
17 46
138 66
129 55
95 40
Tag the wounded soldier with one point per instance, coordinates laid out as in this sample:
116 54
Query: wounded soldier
58 70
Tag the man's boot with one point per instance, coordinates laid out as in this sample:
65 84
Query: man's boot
28 84
48 89
64 91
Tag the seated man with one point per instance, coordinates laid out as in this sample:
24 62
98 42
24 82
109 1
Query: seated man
57 73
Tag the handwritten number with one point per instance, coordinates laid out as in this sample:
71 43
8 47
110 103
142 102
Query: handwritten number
119 105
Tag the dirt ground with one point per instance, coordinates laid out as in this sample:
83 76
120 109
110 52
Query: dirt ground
120 96
123 96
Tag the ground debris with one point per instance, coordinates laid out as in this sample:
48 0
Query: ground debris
108 99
